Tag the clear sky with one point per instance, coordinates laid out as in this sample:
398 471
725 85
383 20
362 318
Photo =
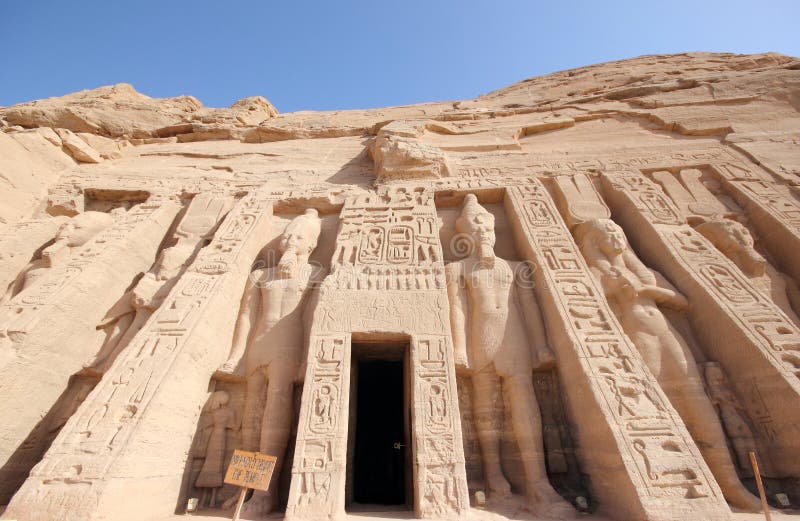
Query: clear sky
355 54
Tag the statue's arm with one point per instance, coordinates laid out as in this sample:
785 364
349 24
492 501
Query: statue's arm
247 317
458 307
793 293
532 315
665 293
653 284
308 319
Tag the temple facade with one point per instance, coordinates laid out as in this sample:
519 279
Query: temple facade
458 312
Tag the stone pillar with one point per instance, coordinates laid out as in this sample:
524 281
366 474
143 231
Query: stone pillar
739 327
387 280
48 330
440 482
319 470
124 451
640 458
771 208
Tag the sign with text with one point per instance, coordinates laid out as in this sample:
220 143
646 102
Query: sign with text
250 470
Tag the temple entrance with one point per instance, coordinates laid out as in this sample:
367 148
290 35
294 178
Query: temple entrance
379 473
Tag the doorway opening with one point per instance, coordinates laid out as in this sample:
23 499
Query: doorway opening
379 461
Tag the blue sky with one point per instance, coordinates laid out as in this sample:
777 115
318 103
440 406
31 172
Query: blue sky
339 54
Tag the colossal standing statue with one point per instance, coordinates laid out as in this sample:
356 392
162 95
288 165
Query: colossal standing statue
496 323
735 241
634 293
270 336
71 235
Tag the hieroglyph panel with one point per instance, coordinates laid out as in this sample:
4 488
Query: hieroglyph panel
772 208
318 472
638 453
741 328
108 440
440 478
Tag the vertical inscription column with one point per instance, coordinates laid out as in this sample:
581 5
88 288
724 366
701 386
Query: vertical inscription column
440 480
640 458
48 330
740 327
773 210
134 430
318 473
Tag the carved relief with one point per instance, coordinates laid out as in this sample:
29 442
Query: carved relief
269 338
488 314
635 293
93 438
318 472
635 403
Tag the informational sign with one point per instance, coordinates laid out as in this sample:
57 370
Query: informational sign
250 470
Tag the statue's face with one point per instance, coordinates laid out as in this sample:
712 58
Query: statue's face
79 230
481 228
300 239
613 240
742 236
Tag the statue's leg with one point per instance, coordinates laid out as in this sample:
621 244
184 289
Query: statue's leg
139 318
681 381
527 423
251 420
485 397
114 333
277 423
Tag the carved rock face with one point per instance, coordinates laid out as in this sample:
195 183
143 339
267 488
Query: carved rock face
82 228
153 282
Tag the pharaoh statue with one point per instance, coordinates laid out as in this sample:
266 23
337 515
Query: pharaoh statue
216 421
634 293
134 308
499 338
734 240
270 336
71 235
733 415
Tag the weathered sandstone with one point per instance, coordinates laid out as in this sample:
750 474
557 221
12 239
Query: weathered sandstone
576 297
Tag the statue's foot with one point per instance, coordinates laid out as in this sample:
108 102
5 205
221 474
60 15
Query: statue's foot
548 504
259 505
499 488
738 496
227 371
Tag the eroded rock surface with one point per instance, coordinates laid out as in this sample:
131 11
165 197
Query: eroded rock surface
573 297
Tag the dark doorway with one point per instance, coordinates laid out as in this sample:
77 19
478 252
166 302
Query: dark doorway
379 456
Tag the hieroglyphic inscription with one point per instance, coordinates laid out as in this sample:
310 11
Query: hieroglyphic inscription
768 332
396 229
22 313
438 450
94 437
661 457
318 472
772 209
